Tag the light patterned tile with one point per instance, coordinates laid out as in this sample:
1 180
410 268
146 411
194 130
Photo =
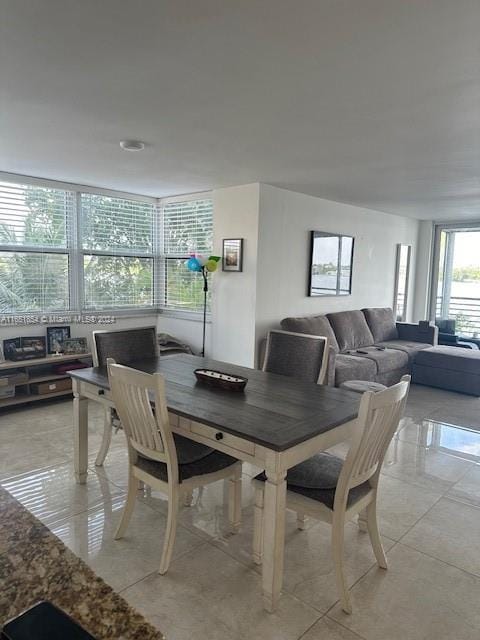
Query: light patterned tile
419 598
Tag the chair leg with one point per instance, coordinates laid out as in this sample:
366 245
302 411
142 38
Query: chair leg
106 439
338 560
188 498
235 500
258 527
170 531
129 504
301 520
362 521
373 532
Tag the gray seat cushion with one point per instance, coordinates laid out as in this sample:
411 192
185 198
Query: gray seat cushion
381 323
190 451
351 330
194 459
385 360
353 368
452 358
317 478
409 347
314 325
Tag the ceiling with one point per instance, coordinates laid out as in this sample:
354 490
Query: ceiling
371 102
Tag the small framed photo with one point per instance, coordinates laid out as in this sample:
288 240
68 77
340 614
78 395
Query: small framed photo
72 346
10 347
56 337
232 255
34 346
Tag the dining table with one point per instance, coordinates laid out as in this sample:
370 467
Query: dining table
275 423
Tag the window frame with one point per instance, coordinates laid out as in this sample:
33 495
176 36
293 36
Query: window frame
119 253
434 275
163 256
75 251
67 250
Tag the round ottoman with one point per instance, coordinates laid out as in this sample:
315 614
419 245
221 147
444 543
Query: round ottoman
360 386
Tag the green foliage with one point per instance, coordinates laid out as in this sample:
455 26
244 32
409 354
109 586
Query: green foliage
37 282
466 274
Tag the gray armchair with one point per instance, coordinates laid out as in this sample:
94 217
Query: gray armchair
426 333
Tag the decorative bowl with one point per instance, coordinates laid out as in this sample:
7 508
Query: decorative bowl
221 380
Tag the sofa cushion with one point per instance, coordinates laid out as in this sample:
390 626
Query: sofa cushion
313 325
385 360
351 330
381 323
452 358
409 347
353 368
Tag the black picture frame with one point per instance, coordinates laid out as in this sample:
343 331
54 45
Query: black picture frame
232 254
332 271
34 346
57 335
10 345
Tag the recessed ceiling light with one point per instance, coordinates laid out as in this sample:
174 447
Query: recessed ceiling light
132 145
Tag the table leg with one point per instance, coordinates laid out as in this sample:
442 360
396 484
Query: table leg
80 435
274 537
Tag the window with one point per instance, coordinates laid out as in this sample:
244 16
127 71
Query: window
117 250
75 250
455 293
187 228
35 250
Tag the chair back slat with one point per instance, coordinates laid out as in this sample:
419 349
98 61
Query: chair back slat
124 345
299 355
141 405
378 419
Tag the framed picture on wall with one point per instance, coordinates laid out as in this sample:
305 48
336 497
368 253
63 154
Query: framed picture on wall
232 256
331 264
402 276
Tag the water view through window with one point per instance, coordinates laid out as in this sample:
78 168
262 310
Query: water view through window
458 283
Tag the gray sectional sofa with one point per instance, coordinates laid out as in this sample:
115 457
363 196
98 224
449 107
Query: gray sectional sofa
367 344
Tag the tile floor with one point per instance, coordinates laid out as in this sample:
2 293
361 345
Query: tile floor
429 518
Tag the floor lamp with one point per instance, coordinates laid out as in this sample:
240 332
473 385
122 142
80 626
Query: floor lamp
199 264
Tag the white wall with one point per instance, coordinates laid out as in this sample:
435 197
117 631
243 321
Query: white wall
422 276
186 330
285 221
235 215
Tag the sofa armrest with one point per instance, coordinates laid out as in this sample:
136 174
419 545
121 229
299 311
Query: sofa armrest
330 377
426 333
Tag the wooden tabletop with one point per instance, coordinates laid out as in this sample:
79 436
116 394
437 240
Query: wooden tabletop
275 411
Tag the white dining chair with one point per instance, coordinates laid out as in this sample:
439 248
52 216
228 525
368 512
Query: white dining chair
124 346
167 462
333 490
299 355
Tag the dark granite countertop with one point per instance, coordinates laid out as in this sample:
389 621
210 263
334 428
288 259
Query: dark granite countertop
35 565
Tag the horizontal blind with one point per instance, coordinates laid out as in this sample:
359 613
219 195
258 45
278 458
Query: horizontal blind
187 227
117 282
34 216
116 225
35 225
